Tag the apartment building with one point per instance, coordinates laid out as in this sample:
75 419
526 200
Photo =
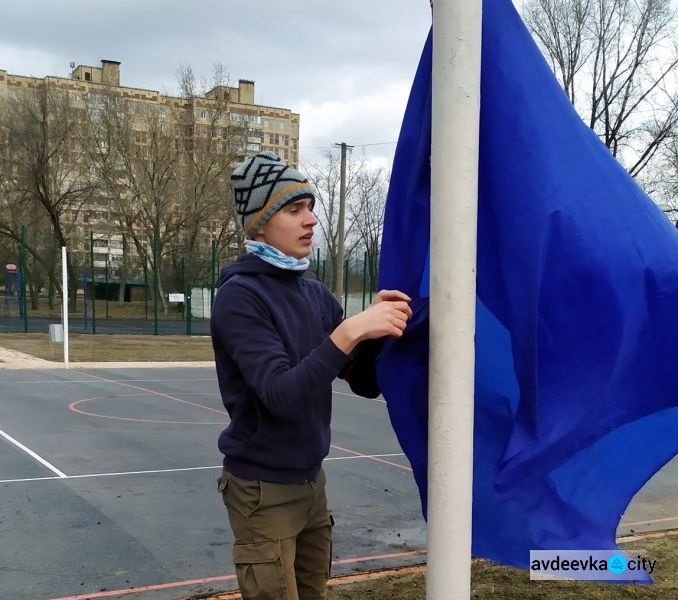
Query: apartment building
263 127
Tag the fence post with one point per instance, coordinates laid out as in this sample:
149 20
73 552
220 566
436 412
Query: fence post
94 293
24 305
146 287
364 277
84 296
106 286
183 285
155 284
189 315
345 285
213 266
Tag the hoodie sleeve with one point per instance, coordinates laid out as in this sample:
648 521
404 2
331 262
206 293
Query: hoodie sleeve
244 329
361 372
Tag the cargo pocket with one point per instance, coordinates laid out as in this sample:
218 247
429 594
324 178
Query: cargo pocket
259 569
222 485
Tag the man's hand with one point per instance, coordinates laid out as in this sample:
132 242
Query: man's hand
387 316
390 296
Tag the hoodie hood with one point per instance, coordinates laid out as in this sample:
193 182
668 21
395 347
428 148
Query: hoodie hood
250 264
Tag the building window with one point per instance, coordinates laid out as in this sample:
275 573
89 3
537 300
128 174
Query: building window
100 244
164 127
88 77
203 114
234 116
163 113
117 244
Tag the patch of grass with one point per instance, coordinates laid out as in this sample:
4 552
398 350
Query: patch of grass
490 581
112 347
404 587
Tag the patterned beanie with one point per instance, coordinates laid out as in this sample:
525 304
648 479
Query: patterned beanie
262 185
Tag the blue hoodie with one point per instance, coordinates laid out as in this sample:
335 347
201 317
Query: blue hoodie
275 365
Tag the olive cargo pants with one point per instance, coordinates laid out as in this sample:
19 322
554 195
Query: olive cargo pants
283 537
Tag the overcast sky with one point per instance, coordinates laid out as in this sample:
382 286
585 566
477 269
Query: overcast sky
346 66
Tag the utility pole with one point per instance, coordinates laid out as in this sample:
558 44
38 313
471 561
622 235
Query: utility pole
342 218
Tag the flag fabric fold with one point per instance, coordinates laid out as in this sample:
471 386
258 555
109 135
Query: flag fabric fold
576 393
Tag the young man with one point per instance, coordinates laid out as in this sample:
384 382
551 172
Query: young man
279 341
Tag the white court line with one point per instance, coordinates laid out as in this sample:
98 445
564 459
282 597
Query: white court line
648 522
121 380
30 452
50 381
359 397
364 456
91 475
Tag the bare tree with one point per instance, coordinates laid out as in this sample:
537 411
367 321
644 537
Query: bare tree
366 211
166 170
615 60
667 179
325 177
45 169
215 142
136 152
18 225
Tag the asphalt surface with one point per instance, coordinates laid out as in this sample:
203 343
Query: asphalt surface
108 486
128 496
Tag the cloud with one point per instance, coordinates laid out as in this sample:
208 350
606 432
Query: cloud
344 66
371 118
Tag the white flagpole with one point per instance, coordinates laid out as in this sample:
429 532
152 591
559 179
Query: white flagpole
64 301
454 197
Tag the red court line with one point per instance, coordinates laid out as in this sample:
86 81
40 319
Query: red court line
381 460
74 407
354 452
136 387
175 584
147 588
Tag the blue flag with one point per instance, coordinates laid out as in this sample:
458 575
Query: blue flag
576 384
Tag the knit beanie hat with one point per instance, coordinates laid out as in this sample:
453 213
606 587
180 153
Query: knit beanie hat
262 185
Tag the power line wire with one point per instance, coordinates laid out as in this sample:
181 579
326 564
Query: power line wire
354 145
